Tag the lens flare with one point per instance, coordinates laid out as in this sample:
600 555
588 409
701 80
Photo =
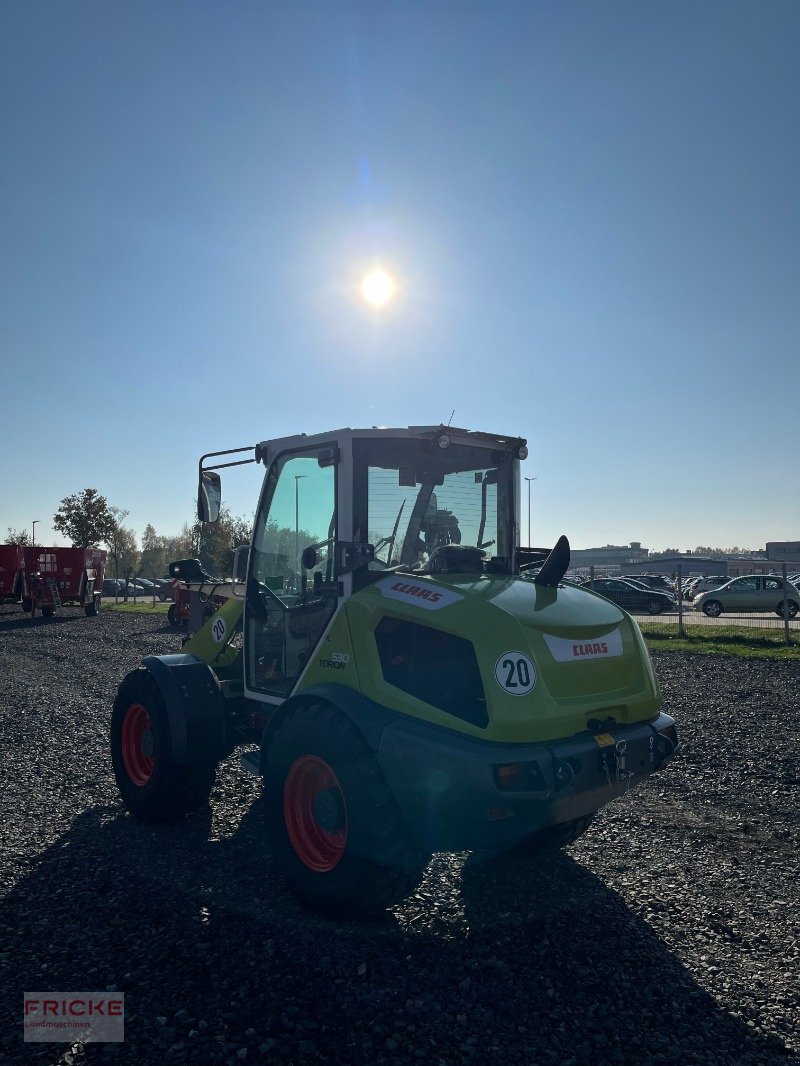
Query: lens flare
378 288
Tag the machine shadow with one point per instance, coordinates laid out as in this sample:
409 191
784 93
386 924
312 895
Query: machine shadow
545 964
597 979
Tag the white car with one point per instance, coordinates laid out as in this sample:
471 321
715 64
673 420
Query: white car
754 592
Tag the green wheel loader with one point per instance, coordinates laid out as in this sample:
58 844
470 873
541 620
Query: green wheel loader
401 673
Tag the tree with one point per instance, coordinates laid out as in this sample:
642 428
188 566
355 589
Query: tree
85 518
122 545
715 553
153 561
181 546
213 542
17 536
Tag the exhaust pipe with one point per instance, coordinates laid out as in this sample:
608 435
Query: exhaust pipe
555 565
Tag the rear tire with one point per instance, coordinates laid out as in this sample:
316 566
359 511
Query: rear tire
153 786
93 609
334 826
791 609
654 607
48 610
172 615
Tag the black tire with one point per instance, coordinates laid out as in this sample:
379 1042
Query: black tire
48 610
153 786
27 604
364 861
654 607
93 609
791 609
556 836
172 615
712 608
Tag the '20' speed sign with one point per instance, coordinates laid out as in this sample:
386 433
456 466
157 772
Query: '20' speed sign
515 673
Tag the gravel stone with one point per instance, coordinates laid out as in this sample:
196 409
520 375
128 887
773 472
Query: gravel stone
667 934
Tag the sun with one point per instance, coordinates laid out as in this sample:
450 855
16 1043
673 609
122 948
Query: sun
378 288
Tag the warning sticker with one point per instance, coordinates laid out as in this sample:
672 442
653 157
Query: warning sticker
515 673
604 740
219 630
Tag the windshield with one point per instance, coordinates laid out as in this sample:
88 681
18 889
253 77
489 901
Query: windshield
412 497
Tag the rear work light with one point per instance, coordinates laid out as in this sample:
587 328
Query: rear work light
519 777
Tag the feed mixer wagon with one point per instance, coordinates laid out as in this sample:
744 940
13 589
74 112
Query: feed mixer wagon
56 576
12 564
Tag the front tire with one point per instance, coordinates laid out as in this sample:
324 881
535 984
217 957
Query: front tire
712 608
93 609
48 610
791 609
654 607
153 786
334 826
172 615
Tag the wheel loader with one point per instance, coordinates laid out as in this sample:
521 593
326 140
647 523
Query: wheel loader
400 672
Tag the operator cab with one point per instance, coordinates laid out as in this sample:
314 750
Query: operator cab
338 510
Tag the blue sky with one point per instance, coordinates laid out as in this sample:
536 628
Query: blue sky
592 209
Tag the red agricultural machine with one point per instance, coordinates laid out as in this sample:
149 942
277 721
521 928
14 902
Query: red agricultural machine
53 577
196 596
12 565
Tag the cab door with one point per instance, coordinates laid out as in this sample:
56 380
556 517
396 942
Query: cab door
292 588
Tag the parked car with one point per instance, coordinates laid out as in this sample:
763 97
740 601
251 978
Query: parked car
649 588
707 584
754 592
629 597
687 588
113 586
164 589
653 581
134 588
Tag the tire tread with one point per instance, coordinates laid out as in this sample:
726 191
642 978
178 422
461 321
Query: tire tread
178 790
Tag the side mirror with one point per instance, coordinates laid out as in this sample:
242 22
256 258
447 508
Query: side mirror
309 558
209 496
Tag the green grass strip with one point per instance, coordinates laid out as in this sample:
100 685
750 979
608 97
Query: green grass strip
744 641
140 607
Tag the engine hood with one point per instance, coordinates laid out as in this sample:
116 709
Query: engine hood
562 608
584 655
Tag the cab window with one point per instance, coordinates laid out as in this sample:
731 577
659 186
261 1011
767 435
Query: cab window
291 591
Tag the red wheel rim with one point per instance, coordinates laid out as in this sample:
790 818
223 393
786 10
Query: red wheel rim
137 745
315 814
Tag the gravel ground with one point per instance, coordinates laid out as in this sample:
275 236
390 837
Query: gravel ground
668 934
